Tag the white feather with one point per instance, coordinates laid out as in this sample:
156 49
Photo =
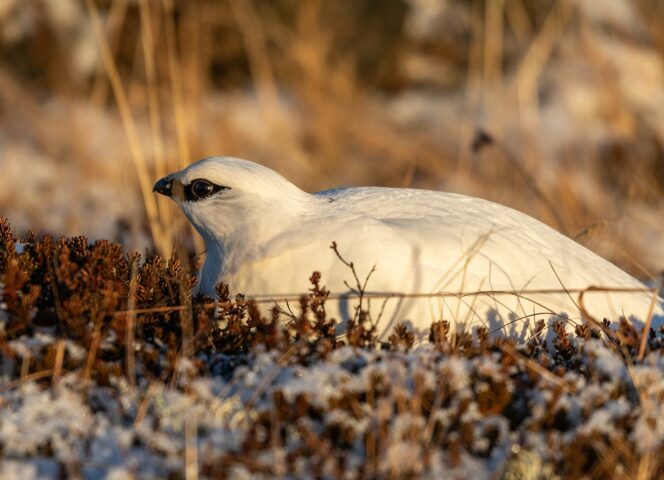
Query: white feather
264 237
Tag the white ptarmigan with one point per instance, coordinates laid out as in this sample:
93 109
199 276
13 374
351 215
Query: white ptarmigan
483 263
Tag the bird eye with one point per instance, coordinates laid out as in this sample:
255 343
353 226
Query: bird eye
201 189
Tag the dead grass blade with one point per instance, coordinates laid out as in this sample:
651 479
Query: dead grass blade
131 130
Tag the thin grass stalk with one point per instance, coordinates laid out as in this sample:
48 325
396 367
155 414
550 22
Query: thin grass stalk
473 89
174 71
92 352
191 447
131 326
58 361
254 41
155 110
178 101
131 131
533 63
26 379
116 17
493 59
25 367
523 293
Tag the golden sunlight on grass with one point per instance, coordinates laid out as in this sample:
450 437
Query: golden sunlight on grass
333 94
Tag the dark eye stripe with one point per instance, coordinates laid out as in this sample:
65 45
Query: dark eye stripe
196 190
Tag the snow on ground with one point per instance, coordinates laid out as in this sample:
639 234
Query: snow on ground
427 413
579 107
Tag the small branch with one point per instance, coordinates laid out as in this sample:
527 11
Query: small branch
59 360
361 288
130 326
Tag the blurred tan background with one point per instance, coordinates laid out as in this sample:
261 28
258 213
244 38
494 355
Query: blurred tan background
553 107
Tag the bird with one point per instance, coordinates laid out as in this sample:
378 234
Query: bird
416 256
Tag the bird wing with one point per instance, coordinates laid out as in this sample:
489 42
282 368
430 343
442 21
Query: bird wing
460 243
423 242
438 221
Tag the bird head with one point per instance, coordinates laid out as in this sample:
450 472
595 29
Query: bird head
222 195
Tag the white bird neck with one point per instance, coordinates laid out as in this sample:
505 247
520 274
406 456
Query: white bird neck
241 233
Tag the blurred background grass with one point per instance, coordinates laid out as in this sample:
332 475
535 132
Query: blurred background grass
554 107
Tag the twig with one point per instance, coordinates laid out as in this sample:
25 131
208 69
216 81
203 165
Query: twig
59 359
25 366
382 310
271 298
143 406
561 283
361 287
268 298
140 311
27 378
92 353
518 319
54 287
130 322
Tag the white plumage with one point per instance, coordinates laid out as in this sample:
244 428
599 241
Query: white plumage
264 237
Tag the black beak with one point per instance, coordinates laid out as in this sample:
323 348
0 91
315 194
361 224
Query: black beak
164 186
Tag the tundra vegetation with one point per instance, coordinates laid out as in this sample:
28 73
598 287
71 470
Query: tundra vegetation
111 365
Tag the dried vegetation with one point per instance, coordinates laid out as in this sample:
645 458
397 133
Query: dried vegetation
174 382
110 366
